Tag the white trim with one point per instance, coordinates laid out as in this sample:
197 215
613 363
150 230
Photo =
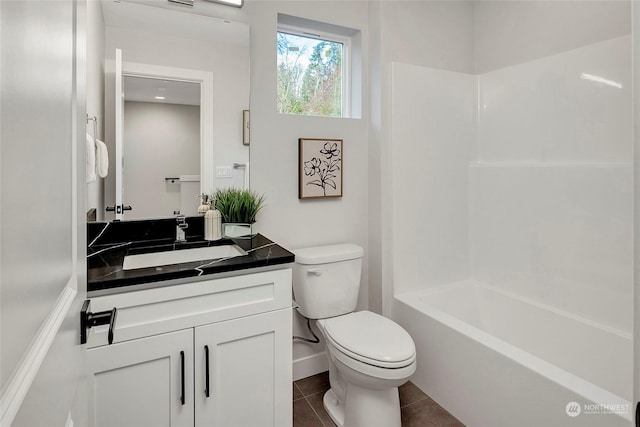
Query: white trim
22 377
205 79
119 135
310 365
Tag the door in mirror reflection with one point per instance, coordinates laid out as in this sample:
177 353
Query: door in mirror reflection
161 147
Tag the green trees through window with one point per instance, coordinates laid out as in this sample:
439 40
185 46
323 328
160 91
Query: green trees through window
309 76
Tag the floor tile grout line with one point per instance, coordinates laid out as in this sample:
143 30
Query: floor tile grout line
298 388
415 401
314 410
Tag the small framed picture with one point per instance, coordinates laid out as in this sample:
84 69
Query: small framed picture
320 168
246 128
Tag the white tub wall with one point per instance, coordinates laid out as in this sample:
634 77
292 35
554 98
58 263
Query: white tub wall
432 128
543 110
561 236
551 208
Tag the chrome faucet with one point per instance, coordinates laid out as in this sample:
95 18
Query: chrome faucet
181 226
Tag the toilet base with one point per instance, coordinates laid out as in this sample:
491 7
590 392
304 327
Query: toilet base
366 408
334 408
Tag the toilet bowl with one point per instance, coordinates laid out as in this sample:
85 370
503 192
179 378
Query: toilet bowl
370 356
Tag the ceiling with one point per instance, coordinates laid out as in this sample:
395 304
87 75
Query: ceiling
145 89
167 18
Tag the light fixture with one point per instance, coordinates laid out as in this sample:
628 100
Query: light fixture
234 3
159 97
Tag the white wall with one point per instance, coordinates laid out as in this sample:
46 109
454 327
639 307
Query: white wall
636 198
274 150
42 256
513 32
432 132
161 140
95 93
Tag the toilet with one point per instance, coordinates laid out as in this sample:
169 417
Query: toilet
369 355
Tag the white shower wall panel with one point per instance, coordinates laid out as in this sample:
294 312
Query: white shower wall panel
550 213
433 123
559 235
569 107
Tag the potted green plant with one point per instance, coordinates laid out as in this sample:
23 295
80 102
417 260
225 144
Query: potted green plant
238 208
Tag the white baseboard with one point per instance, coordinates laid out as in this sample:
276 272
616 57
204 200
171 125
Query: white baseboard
310 365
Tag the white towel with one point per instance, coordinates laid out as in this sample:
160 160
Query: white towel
91 159
102 159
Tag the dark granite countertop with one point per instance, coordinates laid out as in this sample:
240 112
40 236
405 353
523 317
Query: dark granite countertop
106 252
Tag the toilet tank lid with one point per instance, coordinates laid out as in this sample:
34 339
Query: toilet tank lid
329 253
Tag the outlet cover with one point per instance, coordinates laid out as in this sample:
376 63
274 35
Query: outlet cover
223 172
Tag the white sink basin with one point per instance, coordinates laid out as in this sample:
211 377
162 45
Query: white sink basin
156 259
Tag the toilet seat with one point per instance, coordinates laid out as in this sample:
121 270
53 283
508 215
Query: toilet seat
370 338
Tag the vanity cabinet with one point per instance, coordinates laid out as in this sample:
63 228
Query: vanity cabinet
139 382
230 366
248 381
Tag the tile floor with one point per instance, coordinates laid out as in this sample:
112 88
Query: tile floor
417 409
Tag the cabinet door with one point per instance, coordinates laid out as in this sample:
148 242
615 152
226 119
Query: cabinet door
249 372
143 382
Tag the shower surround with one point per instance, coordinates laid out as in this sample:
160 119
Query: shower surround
520 182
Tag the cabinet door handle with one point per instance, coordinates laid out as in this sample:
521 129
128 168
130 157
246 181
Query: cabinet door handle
182 377
112 325
206 370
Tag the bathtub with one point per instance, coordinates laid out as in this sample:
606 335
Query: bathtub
494 359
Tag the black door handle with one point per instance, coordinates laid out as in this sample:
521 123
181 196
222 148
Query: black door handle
206 370
182 399
88 320
118 208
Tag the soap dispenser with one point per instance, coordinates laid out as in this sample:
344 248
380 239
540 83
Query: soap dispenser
204 204
212 223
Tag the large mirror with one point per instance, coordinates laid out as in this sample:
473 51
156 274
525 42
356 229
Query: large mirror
176 92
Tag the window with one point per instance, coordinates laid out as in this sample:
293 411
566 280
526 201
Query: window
312 75
319 68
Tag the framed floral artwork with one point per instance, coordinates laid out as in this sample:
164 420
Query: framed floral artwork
320 168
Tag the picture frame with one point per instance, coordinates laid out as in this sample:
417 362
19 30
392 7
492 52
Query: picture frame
246 128
320 168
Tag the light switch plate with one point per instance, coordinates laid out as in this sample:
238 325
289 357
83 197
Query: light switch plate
223 172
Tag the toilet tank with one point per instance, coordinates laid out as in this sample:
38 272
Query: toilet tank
326 279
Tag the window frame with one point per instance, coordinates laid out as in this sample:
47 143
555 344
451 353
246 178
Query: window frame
346 59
